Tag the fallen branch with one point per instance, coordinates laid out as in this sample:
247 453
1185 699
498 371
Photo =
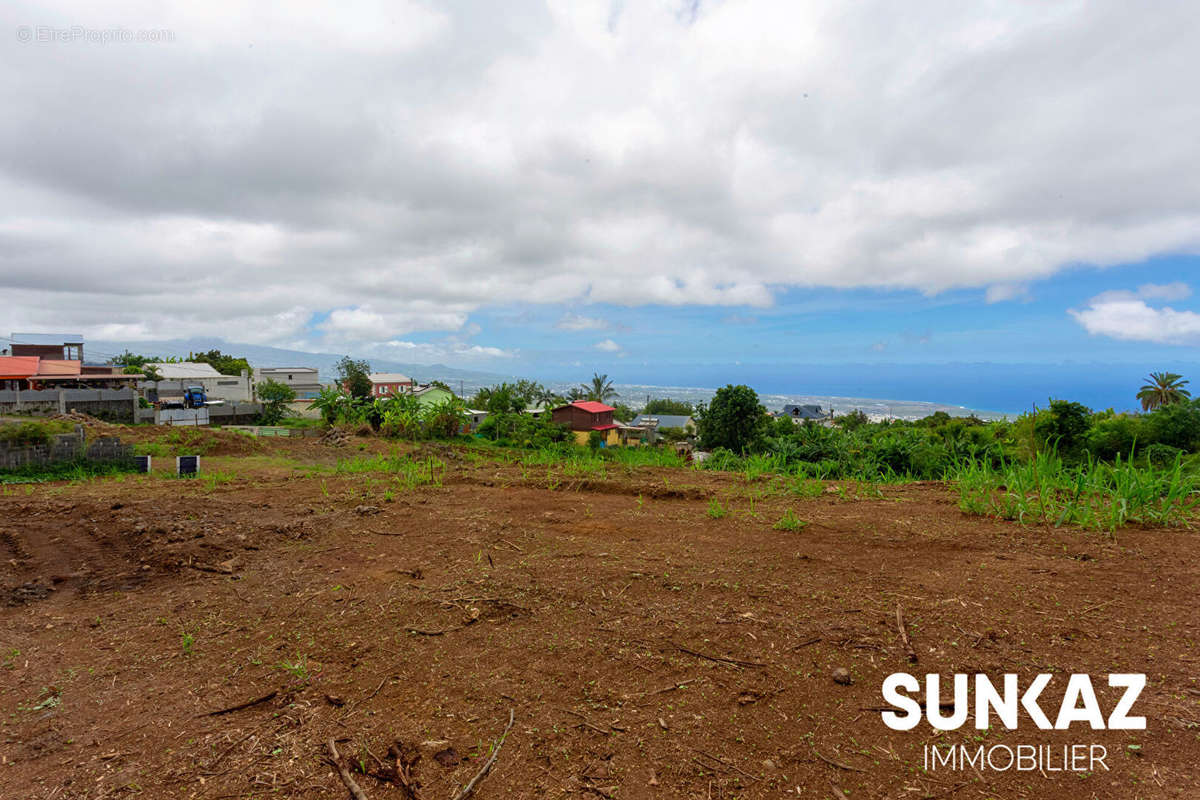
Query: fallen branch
218 570
1096 607
837 764
725 763
944 705
912 654
719 659
347 778
473 784
442 632
266 698
675 686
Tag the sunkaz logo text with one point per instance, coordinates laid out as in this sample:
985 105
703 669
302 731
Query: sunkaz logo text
1076 705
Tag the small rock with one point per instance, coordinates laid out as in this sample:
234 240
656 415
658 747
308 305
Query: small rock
364 510
841 675
768 764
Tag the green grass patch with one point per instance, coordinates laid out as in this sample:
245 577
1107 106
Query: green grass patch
716 510
790 522
1093 494
65 471
408 472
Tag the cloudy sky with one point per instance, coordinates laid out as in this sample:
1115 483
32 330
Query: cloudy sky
625 186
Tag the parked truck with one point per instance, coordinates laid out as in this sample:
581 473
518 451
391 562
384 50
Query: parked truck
193 397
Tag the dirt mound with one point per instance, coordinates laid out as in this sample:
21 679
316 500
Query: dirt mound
90 423
208 442
336 437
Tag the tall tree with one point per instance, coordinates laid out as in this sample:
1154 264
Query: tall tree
1163 389
355 376
221 362
734 420
663 405
135 364
274 397
600 389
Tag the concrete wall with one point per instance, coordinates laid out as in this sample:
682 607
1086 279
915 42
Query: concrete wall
228 414
64 447
112 405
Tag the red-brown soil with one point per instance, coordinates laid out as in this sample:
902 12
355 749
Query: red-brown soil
645 649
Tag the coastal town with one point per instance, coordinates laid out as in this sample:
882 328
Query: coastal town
52 373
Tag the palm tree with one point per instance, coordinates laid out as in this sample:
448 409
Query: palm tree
1163 389
600 389
545 398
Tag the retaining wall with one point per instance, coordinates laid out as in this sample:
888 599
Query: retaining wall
64 447
228 414
111 405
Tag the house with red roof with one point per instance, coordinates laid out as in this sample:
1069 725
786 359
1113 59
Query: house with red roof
584 416
54 361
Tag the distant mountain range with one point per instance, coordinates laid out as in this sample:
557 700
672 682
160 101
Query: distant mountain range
464 380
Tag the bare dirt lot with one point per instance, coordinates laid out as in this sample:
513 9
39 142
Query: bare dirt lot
646 645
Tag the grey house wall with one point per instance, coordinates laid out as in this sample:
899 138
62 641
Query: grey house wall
113 405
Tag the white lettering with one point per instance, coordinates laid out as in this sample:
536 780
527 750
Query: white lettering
986 695
1133 683
892 695
1079 687
933 711
1029 701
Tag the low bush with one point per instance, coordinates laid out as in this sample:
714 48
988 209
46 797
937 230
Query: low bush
33 433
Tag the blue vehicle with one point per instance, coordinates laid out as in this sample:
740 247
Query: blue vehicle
193 397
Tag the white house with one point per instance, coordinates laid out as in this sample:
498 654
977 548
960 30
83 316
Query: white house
177 375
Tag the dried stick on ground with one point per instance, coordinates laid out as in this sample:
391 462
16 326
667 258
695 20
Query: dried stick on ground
912 654
266 698
473 784
837 764
737 662
347 778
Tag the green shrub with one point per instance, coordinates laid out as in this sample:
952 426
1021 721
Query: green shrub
33 433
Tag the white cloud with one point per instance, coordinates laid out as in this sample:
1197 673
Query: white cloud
363 323
1002 292
1147 291
446 349
608 346
576 322
1127 316
408 163
1165 291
